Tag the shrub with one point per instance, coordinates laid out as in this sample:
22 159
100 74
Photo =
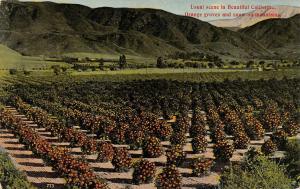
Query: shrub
250 158
26 72
241 141
269 147
10 177
64 69
144 172
13 71
117 136
280 139
170 178
263 174
178 138
121 160
181 124
217 135
254 128
271 117
175 155
122 61
292 161
197 130
234 63
105 151
160 63
291 128
199 144
201 166
223 151
89 147
135 138
112 68
164 132
56 69
152 148
106 126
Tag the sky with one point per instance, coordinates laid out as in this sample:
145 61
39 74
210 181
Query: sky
179 7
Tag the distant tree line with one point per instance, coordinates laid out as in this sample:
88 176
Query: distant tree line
79 66
162 63
188 56
14 71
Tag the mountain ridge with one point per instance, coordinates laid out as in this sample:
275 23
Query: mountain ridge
278 35
35 28
245 21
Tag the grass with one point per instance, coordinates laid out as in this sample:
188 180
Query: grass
41 68
152 71
201 75
217 75
29 63
3 73
12 59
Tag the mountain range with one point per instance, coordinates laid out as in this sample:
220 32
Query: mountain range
279 35
47 28
245 20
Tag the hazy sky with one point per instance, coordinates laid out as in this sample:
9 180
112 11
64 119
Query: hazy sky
176 6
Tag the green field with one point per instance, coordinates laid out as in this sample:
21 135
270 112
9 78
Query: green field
12 59
154 71
197 75
40 69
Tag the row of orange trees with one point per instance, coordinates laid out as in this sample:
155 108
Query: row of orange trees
77 172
